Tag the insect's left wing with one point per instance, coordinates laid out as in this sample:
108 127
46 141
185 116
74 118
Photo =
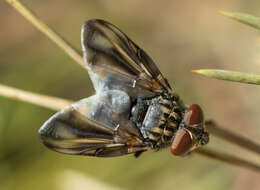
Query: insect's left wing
116 62
91 127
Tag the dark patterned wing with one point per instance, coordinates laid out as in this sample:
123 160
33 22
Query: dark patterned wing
95 126
100 125
116 62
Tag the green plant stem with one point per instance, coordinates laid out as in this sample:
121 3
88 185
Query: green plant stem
250 20
230 76
43 27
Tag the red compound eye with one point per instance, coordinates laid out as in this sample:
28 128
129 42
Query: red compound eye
194 115
182 142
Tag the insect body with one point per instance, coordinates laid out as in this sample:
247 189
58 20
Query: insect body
160 120
134 108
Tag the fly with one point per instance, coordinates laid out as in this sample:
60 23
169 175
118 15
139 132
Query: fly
134 108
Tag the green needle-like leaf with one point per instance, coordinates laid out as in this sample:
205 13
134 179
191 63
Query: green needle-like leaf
244 18
230 76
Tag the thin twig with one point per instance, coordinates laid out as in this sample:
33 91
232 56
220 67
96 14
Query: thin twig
43 27
227 158
56 104
33 98
226 135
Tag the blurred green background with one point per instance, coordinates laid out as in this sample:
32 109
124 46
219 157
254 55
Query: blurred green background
180 37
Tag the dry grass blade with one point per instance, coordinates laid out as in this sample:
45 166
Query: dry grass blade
230 76
43 27
52 103
244 18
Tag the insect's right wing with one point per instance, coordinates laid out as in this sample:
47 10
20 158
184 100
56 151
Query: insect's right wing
116 62
94 127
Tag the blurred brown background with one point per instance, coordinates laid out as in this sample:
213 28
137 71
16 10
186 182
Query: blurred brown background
180 37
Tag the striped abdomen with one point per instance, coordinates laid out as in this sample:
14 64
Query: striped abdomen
161 121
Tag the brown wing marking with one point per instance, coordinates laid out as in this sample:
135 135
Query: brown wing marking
146 64
73 131
105 46
153 69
